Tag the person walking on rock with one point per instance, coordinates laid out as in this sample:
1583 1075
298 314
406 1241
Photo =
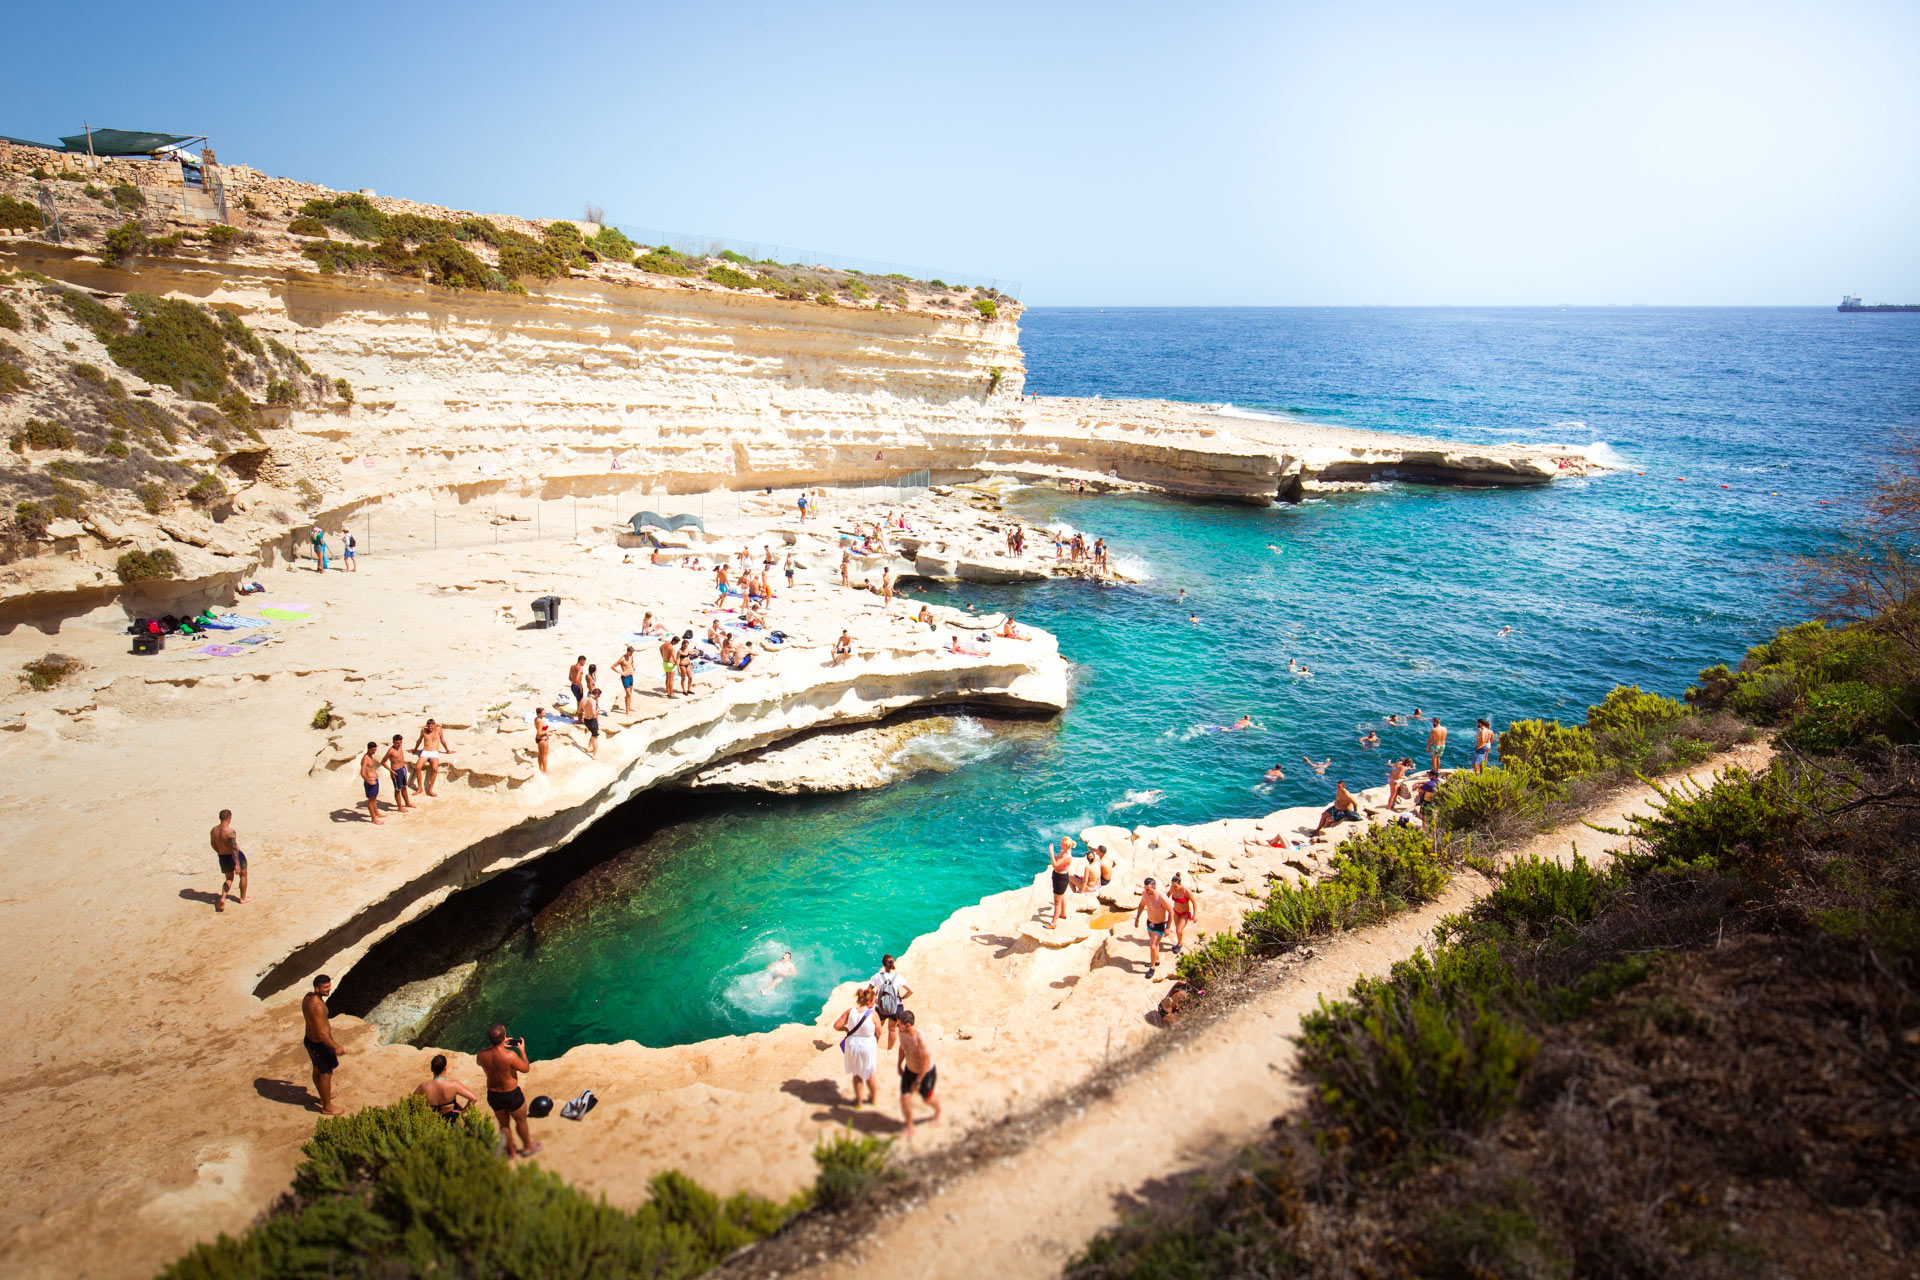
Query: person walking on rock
917 1072
323 1051
226 847
1159 914
860 1043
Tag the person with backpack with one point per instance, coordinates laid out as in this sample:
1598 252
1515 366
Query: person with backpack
347 549
860 1043
890 997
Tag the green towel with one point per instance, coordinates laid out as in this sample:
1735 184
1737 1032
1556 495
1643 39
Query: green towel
283 615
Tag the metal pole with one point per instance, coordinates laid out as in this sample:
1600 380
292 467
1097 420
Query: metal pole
436 531
576 517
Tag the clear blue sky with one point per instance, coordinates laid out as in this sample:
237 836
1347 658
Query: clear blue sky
1113 154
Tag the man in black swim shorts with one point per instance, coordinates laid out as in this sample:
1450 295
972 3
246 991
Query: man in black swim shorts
503 1061
917 1072
323 1051
226 847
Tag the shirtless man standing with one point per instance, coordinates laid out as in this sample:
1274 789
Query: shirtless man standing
431 745
396 762
370 780
226 847
589 713
669 666
623 667
322 1049
917 1072
503 1062
1436 740
1060 862
577 681
1482 745
1159 916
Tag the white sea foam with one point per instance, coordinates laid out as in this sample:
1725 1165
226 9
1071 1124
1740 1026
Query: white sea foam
965 743
747 989
1605 454
1131 566
1235 411
1134 799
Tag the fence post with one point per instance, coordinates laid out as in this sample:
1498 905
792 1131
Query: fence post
436 530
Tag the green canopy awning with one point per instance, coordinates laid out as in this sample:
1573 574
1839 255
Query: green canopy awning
29 142
124 142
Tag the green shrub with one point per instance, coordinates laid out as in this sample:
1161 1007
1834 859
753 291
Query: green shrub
397 1191
1212 958
116 449
175 344
146 566
987 308
1840 716
612 245
31 519
44 673
223 240
664 262
938 283
343 389
739 259
851 1169
995 375
1742 823
19 215
103 320
128 196
1534 897
306 225
237 407
1375 873
1412 1061
65 469
451 266
1627 709
90 373
1491 799
731 278
205 490
9 318
352 215
1716 686
125 241
12 378
152 495
1547 750
280 391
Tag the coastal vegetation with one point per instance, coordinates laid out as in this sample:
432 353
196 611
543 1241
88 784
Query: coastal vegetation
398 1190
1668 1065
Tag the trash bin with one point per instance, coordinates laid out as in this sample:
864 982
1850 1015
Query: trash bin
148 642
546 611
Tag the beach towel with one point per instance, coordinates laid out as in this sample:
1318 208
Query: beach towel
220 650
251 640
285 615
580 1105
238 620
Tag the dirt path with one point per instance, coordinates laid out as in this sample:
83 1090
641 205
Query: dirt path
1028 1212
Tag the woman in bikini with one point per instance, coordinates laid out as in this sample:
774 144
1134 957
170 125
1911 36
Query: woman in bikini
1183 910
541 732
443 1095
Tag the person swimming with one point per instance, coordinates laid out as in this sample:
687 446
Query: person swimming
1320 767
1395 719
778 972
1276 774
1371 739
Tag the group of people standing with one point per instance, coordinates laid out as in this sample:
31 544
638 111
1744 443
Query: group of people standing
880 1006
408 780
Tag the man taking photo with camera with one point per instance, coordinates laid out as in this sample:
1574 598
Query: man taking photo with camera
504 1061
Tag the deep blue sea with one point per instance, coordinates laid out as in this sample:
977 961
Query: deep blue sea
1743 438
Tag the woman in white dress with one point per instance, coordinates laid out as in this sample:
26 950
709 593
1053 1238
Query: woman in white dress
859 1047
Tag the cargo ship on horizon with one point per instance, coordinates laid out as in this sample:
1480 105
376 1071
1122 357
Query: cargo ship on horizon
1850 303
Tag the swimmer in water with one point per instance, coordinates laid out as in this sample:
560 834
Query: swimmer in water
1244 722
1504 633
1416 715
1320 767
778 972
1194 618
1371 739
1276 774
1395 719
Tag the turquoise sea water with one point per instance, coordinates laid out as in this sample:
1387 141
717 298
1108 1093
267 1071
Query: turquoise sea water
1393 598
